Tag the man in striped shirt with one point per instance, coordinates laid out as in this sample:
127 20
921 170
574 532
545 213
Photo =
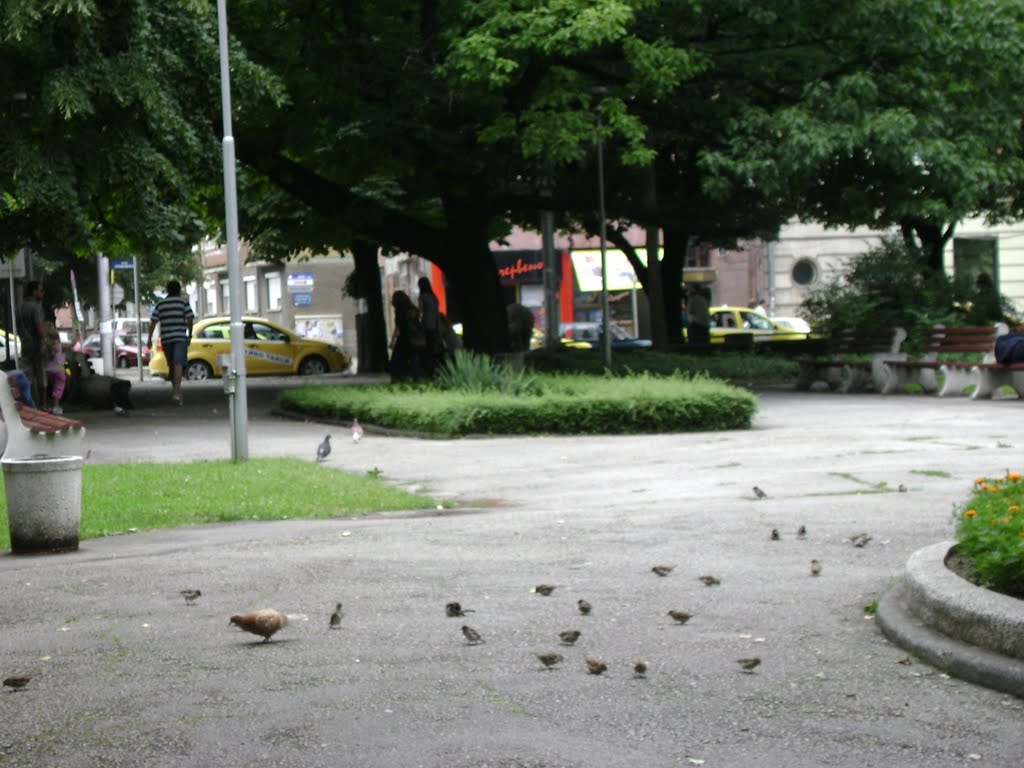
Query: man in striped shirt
174 314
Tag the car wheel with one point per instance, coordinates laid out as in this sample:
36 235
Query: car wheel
197 370
312 366
122 362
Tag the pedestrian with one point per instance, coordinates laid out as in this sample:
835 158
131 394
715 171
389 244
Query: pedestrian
175 317
33 333
430 316
408 340
698 330
56 376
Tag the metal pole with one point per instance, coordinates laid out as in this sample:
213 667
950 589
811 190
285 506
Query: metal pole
138 312
106 324
606 338
239 403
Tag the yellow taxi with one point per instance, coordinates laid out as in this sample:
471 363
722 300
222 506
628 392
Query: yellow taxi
727 321
269 350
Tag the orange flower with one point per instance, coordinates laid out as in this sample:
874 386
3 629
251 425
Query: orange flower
1013 477
979 480
971 513
1013 508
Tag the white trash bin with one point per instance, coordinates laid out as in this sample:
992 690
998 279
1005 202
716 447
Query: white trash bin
44 503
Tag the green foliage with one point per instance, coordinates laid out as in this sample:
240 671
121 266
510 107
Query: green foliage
563 404
885 287
472 372
990 532
119 497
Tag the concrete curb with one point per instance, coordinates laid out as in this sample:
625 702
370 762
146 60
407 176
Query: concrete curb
970 632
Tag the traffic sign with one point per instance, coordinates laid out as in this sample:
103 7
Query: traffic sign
122 264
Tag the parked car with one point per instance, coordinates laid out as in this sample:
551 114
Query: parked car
796 323
126 350
588 336
269 350
726 320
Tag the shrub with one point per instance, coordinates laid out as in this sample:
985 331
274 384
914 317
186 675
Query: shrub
990 532
472 372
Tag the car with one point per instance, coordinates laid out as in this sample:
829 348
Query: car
269 350
126 350
796 323
588 336
727 321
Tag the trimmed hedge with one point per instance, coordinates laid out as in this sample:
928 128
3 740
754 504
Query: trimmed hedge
568 405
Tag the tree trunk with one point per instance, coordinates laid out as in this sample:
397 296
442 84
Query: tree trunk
656 290
370 324
672 261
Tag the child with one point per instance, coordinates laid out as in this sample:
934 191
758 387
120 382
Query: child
54 360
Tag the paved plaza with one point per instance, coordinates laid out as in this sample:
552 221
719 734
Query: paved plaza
126 674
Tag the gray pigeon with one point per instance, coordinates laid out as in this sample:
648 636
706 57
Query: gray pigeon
324 449
336 617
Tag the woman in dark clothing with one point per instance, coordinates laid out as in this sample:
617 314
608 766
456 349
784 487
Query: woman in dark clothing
406 341
430 316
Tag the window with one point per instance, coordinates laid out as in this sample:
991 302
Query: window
251 300
274 290
804 272
225 297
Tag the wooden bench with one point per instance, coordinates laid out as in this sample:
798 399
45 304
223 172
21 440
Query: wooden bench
854 357
31 433
956 374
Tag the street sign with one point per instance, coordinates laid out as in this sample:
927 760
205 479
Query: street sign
300 282
302 299
122 264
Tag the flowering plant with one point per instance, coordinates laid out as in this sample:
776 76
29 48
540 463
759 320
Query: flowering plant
990 532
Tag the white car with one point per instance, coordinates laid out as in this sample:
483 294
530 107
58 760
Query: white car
796 323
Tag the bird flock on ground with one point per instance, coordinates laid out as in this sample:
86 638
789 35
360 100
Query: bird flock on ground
268 622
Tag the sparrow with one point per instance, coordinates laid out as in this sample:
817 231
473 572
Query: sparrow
324 449
549 659
640 669
815 567
569 636
471 635
336 617
748 665
902 488
859 540
191 595
544 589
801 532
775 534
596 666
710 581
584 607
357 431
264 623
662 570
680 616
454 609
905 661
17 682
759 493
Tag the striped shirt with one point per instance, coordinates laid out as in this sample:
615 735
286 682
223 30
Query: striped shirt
174 314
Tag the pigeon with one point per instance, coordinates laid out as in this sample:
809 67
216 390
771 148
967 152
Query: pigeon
815 567
596 666
324 449
549 659
454 609
759 493
336 617
859 540
264 623
749 664
640 669
710 581
357 431
801 532
17 682
584 607
471 635
680 616
569 636
902 488
544 589
662 570
191 595
775 534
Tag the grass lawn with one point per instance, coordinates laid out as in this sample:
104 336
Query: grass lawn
117 498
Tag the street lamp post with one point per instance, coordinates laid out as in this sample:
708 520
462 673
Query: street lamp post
606 338
239 401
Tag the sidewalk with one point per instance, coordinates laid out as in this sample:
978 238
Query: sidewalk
126 674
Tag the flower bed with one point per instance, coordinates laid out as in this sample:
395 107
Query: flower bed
990 532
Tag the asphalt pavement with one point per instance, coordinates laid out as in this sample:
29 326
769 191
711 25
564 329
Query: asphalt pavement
125 673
